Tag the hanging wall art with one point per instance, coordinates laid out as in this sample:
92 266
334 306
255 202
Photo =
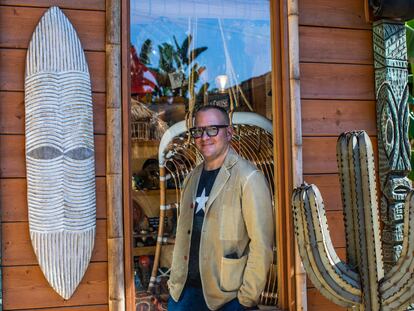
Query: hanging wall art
59 153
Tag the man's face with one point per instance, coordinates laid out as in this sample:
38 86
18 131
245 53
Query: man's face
214 148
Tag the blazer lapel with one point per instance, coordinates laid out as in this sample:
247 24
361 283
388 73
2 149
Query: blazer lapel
222 178
194 185
218 186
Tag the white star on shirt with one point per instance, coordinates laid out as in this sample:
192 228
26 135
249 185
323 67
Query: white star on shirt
201 201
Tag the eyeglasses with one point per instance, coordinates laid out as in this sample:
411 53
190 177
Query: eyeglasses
211 131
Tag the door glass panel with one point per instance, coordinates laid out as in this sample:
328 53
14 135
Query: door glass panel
201 48
186 54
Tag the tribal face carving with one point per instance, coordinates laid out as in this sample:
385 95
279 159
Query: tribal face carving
393 132
60 152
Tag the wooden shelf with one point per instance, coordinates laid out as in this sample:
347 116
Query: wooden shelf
143 250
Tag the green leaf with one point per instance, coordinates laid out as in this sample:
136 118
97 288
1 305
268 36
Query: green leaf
196 52
410 23
411 128
410 100
145 53
167 53
411 174
177 46
184 49
177 60
409 30
203 89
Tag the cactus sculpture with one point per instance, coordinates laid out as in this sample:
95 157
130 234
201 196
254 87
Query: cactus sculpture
360 282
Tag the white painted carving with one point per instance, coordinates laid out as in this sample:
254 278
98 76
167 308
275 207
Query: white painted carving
60 152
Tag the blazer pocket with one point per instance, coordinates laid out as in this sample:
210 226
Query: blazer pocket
231 273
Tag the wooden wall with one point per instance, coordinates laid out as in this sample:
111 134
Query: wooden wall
337 91
24 286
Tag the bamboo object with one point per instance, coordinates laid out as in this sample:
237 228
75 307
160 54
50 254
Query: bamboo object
361 282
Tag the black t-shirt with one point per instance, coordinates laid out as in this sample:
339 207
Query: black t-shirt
205 184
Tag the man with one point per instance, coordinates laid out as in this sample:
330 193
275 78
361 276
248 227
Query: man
224 235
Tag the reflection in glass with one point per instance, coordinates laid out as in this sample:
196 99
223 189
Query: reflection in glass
180 49
185 54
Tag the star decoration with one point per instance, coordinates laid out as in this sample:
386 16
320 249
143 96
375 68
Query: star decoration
201 201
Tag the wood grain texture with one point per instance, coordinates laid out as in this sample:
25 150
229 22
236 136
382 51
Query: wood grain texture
126 157
12 68
333 117
319 155
336 228
13 199
12 156
89 25
337 90
25 287
337 81
333 13
317 302
284 179
330 189
17 249
114 154
28 289
65 4
333 45
12 113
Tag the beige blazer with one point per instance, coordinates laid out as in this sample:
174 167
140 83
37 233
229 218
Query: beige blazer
238 219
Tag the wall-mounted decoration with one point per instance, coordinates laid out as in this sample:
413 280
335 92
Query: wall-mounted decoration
60 152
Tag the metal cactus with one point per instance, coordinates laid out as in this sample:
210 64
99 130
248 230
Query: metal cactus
360 282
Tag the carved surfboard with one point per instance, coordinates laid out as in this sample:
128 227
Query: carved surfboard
59 152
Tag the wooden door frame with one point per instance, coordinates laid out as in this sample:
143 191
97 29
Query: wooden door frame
284 152
126 154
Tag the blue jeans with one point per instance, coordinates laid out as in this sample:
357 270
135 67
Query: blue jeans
192 298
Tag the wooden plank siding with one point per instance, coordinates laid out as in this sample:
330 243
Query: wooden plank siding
89 25
12 65
90 5
13 200
24 286
337 95
12 112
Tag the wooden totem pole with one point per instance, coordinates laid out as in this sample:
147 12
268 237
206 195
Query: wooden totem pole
392 124
376 276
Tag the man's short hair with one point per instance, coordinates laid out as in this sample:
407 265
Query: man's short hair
217 108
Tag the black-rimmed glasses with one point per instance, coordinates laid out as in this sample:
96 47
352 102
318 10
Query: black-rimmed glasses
211 130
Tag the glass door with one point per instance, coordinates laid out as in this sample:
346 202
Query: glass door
185 54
